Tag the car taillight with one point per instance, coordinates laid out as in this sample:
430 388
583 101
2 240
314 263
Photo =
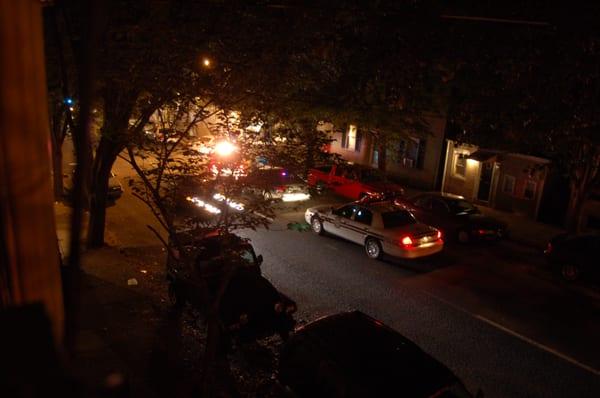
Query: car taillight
290 309
280 188
439 234
406 241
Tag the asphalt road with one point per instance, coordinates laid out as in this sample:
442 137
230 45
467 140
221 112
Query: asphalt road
488 312
484 311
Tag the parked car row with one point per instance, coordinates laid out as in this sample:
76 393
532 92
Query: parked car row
343 355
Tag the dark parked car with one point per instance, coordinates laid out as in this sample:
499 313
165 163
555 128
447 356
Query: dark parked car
458 218
277 183
251 307
115 189
574 256
353 355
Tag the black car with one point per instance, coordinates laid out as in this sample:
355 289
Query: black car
574 256
458 218
277 184
251 307
353 355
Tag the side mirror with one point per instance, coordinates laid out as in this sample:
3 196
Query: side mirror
259 259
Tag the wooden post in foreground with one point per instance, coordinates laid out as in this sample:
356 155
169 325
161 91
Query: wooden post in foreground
29 266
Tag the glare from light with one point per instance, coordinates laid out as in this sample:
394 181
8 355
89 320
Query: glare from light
206 206
233 204
225 148
295 197
472 162
206 62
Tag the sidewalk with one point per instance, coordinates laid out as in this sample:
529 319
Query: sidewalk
524 230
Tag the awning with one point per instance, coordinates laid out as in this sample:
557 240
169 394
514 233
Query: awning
484 155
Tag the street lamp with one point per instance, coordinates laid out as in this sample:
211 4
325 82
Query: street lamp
206 62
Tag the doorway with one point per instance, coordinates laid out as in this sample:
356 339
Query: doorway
485 181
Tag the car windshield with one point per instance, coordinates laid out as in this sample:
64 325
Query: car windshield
398 218
371 175
461 207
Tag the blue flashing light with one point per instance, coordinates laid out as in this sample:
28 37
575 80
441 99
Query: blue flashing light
69 101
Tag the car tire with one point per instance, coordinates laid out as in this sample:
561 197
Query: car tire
463 236
569 272
373 249
317 226
320 188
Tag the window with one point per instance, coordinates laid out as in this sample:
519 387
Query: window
509 185
352 139
363 216
460 165
438 206
423 201
324 169
529 192
346 211
411 152
394 219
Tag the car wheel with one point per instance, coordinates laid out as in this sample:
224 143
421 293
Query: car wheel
464 236
316 226
373 248
569 272
320 188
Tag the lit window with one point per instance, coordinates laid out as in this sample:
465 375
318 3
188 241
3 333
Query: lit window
351 138
529 192
509 185
460 165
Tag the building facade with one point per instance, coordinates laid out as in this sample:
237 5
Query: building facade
414 160
505 181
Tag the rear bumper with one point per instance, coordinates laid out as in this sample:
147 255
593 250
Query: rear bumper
414 252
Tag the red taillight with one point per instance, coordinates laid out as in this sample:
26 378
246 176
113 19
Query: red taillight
439 234
406 241
280 189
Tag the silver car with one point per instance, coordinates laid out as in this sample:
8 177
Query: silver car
382 227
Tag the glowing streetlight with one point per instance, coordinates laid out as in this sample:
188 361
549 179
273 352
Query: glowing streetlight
206 62
224 148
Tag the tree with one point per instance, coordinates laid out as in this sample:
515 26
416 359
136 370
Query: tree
533 90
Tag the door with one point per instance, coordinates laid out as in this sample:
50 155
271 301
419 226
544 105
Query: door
339 224
485 181
359 225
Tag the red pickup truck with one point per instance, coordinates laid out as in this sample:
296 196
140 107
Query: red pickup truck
352 181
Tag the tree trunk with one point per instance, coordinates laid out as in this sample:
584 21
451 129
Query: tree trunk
382 153
573 217
57 170
106 154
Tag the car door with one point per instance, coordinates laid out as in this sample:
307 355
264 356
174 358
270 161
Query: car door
360 225
440 217
421 209
339 223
